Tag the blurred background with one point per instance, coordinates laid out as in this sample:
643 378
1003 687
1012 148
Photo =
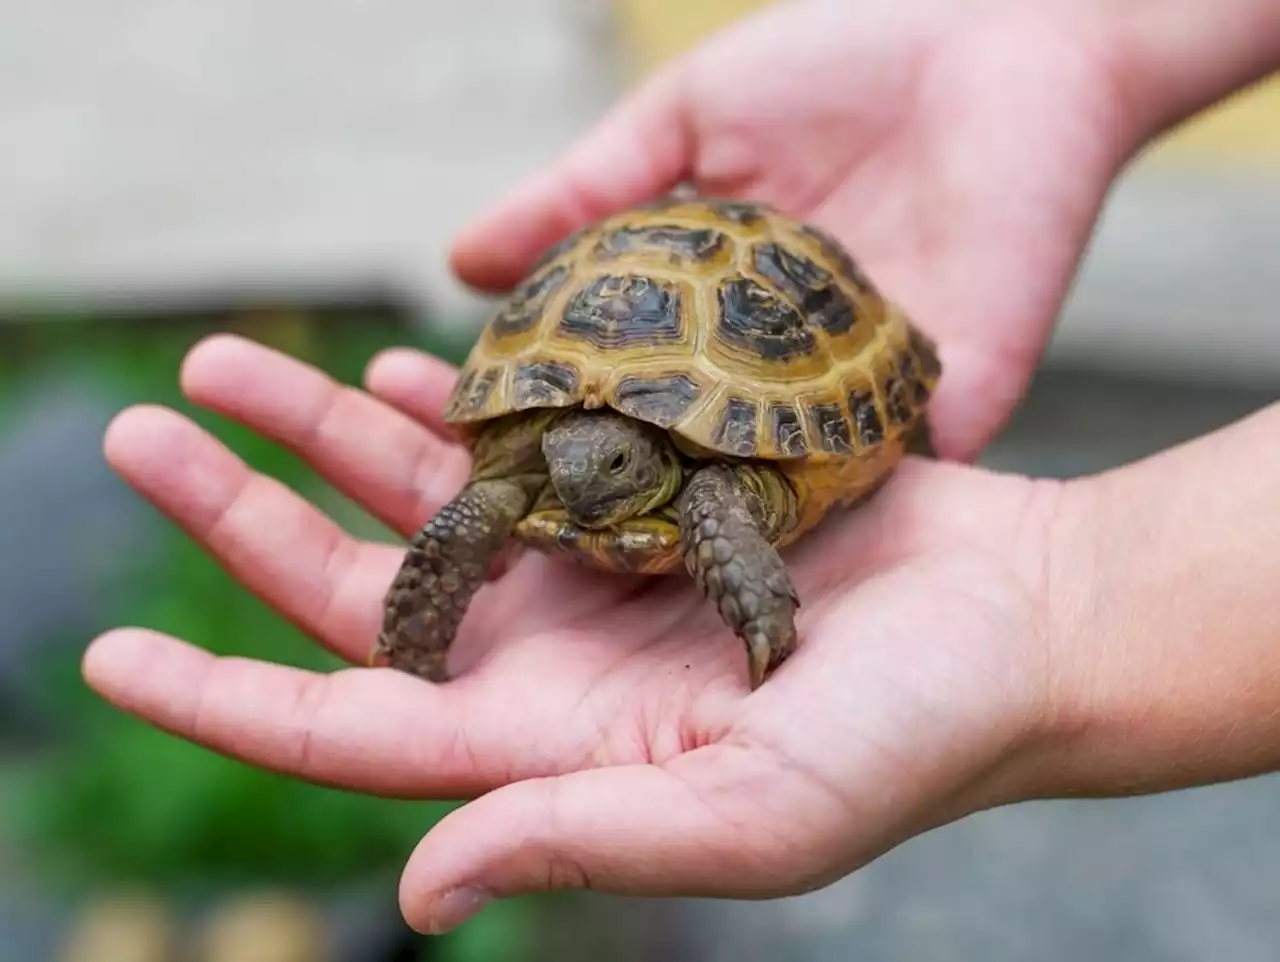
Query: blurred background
294 172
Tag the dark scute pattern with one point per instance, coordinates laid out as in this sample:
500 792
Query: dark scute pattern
617 311
788 435
684 245
757 320
736 432
830 424
897 405
737 211
523 309
474 390
659 400
836 251
866 419
544 383
807 285
909 371
930 365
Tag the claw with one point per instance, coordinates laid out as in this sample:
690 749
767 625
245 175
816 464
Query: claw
764 657
759 665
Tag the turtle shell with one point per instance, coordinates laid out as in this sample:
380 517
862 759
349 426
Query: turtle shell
743 332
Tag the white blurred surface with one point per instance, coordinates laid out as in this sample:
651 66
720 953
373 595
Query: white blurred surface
155 146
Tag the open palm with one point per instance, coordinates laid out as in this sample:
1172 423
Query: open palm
960 150
606 722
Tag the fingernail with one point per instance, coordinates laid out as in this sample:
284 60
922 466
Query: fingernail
456 906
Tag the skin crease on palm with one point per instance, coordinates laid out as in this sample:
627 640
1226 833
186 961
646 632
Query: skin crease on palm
602 724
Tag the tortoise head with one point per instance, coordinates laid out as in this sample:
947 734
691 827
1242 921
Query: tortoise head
607 468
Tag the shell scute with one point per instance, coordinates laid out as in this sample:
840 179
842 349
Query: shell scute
473 393
786 431
867 421
544 384
760 323
660 400
805 284
524 309
618 311
669 244
830 428
738 427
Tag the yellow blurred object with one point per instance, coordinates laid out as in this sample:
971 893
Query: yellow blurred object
264 927
653 31
287 329
123 928
1243 131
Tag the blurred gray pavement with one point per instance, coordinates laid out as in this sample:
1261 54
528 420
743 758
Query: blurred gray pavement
157 147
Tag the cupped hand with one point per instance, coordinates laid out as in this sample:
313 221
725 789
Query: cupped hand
960 150
602 725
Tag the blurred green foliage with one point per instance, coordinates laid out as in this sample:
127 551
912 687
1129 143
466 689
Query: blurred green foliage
118 802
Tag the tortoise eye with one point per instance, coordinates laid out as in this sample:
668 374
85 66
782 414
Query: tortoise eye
619 461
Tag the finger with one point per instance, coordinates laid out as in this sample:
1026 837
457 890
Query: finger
414 383
280 547
392 466
640 150
376 731
636 830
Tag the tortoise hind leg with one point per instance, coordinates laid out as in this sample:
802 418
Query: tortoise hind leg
725 531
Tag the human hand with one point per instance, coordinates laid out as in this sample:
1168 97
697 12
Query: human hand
605 722
960 150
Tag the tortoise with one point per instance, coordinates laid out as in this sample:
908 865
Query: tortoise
692 383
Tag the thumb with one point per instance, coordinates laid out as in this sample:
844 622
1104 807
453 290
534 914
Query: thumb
632 830
640 150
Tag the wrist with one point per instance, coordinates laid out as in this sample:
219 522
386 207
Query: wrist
1088 717
1164 649
1166 60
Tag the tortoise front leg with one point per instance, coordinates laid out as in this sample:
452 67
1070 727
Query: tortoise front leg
445 564
447 561
725 533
